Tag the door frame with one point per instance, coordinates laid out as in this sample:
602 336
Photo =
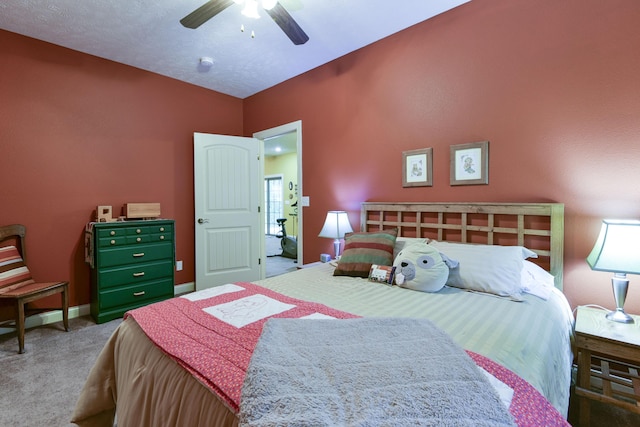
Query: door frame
271 133
277 175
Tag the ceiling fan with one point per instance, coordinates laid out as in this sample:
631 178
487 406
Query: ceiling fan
277 12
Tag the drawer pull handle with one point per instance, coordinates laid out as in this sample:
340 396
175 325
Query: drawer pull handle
113 233
113 242
138 230
138 274
139 254
138 239
138 294
161 228
161 237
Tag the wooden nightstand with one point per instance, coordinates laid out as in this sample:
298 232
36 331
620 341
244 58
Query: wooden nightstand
608 361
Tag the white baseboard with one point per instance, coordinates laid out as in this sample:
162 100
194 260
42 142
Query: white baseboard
50 317
77 311
185 288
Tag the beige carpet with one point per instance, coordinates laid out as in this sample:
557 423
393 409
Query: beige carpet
40 387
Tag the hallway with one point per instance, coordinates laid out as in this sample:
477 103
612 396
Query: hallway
277 264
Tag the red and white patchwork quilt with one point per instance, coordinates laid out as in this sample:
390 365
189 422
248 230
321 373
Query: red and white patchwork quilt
212 334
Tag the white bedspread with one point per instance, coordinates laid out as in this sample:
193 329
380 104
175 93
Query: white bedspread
532 338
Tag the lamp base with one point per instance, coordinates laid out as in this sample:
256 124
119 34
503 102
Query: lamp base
336 248
619 316
620 284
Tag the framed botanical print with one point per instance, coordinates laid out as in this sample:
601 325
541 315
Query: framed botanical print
417 168
470 163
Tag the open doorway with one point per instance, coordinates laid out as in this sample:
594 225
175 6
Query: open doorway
282 213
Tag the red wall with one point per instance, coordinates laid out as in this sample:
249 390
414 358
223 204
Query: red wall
554 86
77 131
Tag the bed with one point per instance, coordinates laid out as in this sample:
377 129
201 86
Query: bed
527 338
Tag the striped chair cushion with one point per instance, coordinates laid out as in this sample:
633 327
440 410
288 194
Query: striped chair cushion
363 249
13 271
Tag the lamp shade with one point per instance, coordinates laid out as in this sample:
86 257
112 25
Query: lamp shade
336 225
618 247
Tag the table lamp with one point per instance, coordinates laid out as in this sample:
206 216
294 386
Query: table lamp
336 225
617 250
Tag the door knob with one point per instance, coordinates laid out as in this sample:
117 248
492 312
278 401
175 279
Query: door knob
202 221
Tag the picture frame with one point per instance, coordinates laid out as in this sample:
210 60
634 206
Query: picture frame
470 163
417 168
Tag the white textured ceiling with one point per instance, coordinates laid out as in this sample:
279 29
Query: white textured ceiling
147 34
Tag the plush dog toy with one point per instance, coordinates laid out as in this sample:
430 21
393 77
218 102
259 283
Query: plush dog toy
422 268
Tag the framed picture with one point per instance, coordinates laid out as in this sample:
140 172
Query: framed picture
470 163
417 168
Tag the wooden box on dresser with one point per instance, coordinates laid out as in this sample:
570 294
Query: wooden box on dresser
133 265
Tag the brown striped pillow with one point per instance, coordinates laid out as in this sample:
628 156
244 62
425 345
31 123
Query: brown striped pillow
13 271
362 249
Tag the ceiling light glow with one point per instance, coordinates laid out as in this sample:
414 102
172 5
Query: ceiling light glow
269 4
251 9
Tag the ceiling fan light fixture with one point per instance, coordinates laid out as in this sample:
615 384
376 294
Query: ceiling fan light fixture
269 4
273 8
251 9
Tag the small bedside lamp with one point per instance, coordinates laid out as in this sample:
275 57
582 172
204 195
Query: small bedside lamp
617 250
336 225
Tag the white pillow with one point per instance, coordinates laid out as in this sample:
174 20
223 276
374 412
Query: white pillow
536 280
401 242
492 269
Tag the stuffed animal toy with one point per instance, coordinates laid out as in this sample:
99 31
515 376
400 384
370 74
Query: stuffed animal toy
422 268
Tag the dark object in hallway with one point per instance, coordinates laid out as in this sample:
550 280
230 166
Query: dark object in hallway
289 244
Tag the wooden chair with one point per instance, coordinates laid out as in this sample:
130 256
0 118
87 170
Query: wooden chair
16 284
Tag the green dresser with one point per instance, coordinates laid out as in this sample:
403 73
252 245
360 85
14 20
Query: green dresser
133 265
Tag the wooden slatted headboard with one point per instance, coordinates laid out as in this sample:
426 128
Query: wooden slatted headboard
538 226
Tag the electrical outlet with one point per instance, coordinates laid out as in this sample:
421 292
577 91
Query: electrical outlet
178 265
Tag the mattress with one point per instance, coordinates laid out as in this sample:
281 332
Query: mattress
531 338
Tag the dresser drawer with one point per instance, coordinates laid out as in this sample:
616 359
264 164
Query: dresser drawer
136 294
134 254
108 242
138 273
103 233
150 229
121 231
147 238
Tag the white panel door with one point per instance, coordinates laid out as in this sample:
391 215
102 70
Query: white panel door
228 194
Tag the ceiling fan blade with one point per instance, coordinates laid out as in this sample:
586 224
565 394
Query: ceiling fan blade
205 12
290 27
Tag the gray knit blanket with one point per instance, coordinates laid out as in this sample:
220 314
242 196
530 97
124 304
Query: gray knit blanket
365 372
